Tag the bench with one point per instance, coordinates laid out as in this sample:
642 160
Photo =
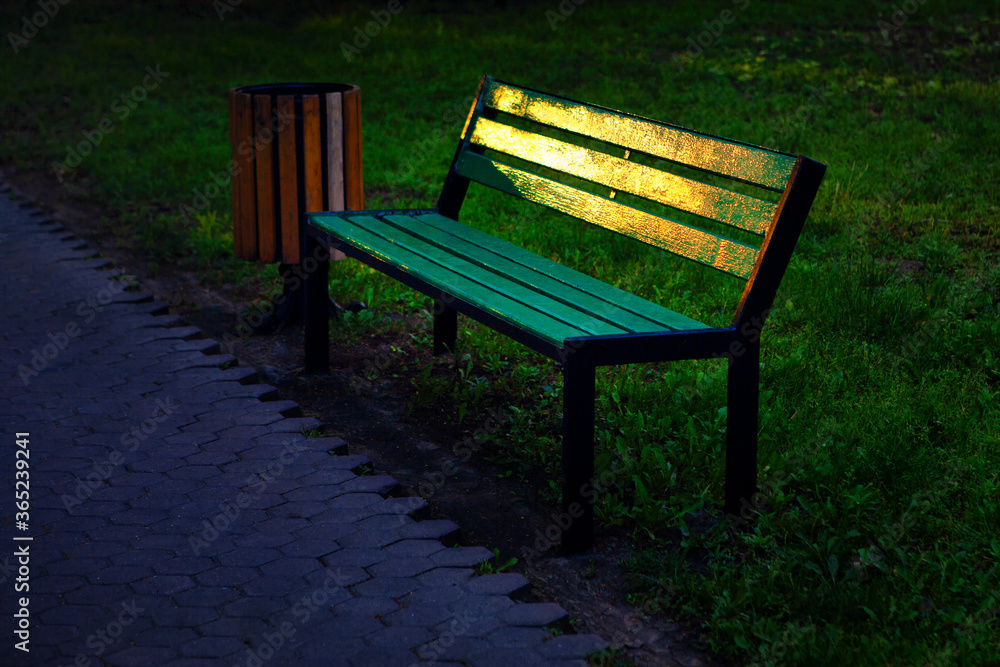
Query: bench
509 143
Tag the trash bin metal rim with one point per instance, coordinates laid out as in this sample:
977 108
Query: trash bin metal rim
296 88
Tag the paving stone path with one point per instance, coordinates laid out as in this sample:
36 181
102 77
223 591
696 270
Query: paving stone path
180 516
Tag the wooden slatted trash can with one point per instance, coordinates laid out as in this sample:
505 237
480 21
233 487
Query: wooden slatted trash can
296 147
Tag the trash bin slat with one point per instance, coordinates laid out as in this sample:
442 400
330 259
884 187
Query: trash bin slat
288 190
264 144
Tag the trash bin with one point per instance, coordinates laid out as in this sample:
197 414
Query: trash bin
296 148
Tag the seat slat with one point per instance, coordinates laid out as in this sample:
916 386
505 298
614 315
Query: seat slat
732 208
600 299
718 252
392 249
759 166
499 281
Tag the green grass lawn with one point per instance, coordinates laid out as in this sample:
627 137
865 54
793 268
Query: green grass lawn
877 540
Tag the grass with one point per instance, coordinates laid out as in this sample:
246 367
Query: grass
876 541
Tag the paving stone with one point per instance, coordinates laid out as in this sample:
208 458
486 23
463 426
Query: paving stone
205 597
274 586
401 567
227 576
234 627
533 614
164 636
482 605
254 607
445 576
141 557
395 587
498 584
163 584
78 615
139 656
290 567
514 637
434 595
81 566
258 540
83 594
370 538
369 606
297 510
468 625
503 657
249 557
461 556
328 651
211 647
460 649
399 637
311 548
183 565
423 616
351 627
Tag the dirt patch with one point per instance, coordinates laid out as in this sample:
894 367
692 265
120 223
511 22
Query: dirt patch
415 446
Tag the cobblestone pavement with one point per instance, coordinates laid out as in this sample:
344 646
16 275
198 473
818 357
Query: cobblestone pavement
180 516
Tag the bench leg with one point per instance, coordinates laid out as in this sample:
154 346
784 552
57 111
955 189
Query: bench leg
741 431
577 519
445 327
317 298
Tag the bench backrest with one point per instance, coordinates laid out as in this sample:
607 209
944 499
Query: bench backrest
507 144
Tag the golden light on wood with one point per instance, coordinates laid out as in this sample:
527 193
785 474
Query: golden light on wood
758 166
729 207
723 254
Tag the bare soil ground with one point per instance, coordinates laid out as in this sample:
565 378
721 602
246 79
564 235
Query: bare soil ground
376 419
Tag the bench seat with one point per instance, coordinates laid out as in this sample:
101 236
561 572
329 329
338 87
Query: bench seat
529 292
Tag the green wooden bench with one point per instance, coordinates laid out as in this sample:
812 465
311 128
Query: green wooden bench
581 322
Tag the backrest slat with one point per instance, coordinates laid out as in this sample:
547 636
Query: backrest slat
758 166
732 208
724 254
